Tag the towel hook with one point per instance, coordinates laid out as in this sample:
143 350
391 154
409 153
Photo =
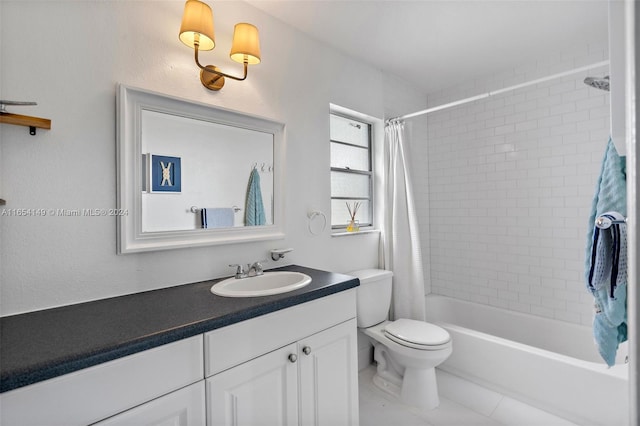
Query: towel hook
262 167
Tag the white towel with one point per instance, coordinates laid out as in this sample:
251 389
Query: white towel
217 217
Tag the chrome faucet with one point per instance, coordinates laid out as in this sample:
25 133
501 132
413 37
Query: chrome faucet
240 272
256 267
252 270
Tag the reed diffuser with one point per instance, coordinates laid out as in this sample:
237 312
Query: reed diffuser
353 225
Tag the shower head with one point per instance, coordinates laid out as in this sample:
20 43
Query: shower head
598 83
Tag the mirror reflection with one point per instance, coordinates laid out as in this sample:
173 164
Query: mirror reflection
193 174
200 174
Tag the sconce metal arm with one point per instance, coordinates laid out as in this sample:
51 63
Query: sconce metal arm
211 70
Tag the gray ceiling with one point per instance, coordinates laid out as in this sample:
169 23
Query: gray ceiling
436 44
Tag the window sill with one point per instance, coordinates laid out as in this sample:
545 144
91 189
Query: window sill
340 233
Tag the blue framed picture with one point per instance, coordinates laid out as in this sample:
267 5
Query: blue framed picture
165 174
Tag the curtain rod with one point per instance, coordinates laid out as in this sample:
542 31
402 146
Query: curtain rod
499 91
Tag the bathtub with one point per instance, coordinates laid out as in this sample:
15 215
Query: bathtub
549 364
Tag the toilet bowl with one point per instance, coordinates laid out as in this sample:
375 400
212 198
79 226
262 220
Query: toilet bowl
406 351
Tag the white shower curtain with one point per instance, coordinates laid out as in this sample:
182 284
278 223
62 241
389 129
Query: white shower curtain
401 239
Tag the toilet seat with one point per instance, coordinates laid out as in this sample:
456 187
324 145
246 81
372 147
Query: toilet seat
417 334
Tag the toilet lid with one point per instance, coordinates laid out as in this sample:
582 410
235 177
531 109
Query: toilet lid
416 333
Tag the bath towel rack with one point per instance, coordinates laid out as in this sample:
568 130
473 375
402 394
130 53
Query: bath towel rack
604 222
195 209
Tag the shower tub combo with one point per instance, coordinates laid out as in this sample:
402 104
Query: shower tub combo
549 364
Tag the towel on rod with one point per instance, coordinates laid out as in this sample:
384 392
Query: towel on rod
217 217
607 283
605 260
254 213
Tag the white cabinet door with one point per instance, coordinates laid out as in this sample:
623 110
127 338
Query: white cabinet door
329 377
184 407
263 391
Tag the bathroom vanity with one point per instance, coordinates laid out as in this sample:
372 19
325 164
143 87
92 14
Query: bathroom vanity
185 356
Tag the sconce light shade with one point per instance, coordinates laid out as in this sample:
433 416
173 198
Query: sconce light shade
196 31
197 25
246 44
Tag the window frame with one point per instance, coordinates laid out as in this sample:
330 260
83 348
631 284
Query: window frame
370 173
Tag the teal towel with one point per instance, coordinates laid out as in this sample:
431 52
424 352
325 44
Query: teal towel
605 260
254 212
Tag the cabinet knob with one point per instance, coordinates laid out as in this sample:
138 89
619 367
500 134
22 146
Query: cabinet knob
293 357
306 350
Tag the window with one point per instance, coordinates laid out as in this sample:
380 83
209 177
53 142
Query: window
351 171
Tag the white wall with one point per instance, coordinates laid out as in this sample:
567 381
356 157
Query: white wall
69 56
510 184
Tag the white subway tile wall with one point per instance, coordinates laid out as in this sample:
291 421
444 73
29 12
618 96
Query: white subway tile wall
509 188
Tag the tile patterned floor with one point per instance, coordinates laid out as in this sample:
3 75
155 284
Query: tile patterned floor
461 403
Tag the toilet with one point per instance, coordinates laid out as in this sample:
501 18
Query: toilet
406 351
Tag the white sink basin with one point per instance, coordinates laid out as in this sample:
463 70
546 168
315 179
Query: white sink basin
261 285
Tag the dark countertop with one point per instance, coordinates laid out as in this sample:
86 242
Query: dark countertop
40 345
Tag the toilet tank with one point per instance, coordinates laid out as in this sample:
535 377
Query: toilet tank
373 296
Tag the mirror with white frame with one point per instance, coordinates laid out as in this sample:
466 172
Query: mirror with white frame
191 174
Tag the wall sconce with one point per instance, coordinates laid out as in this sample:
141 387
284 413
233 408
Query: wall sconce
196 32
